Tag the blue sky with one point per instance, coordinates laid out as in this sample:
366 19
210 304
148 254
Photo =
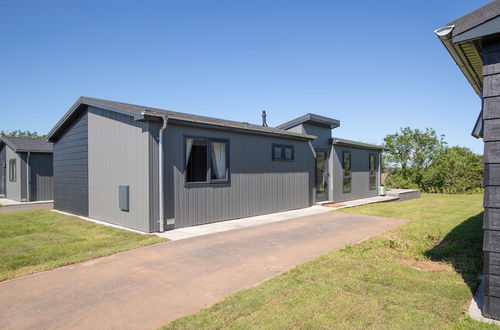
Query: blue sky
374 65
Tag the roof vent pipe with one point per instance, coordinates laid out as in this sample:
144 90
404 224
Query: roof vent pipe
264 119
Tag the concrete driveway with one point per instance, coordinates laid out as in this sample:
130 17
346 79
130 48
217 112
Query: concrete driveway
147 287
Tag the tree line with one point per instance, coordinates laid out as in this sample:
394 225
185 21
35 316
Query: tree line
22 134
414 159
422 159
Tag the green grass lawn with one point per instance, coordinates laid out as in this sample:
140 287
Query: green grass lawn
420 275
33 241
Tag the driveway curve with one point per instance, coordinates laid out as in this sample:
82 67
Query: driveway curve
148 287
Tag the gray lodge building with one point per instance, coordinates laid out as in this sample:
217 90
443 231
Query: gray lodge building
473 41
152 170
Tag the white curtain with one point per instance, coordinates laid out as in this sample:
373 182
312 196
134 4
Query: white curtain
189 146
219 159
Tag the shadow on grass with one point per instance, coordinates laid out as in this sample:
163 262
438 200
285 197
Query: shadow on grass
462 247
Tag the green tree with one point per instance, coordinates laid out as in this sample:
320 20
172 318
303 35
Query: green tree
22 134
410 152
456 170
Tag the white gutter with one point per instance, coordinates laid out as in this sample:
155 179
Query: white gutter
28 185
445 35
161 167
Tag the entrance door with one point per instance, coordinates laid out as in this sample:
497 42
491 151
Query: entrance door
41 177
321 176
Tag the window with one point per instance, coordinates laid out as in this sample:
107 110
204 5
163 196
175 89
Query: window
373 172
12 170
206 161
219 160
196 160
346 166
283 152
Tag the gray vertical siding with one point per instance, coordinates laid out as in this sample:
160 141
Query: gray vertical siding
332 172
323 134
14 188
297 129
360 174
103 150
118 155
70 181
41 177
321 143
24 182
491 137
257 185
154 216
3 168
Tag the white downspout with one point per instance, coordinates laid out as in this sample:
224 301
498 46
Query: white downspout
28 185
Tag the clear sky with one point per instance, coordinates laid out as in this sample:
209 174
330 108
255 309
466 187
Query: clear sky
374 65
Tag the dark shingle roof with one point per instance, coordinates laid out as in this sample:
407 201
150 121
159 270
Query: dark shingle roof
27 144
476 18
139 112
463 40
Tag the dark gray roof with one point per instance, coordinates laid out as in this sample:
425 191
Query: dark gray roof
312 119
476 18
462 38
26 144
356 144
141 113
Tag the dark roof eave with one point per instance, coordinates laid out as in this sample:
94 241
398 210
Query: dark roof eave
476 18
53 132
181 121
310 117
356 144
7 141
445 35
485 29
74 108
34 151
